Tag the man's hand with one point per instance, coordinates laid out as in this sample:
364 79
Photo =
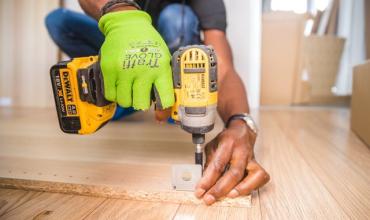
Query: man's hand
231 169
134 57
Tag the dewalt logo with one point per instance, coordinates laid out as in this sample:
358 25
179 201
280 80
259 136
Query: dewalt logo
67 87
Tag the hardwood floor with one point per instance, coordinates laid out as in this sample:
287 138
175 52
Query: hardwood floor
319 169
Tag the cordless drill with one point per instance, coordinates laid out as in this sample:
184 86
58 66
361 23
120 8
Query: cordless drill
194 71
82 109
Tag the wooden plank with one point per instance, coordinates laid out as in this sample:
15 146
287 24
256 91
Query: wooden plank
296 191
55 206
130 160
319 170
333 19
11 199
120 192
324 20
125 209
186 212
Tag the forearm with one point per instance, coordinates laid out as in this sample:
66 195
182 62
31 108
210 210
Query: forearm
92 7
232 95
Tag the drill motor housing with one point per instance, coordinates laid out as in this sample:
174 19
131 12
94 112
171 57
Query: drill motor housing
194 71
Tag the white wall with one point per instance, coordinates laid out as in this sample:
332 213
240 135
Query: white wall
244 33
351 26
26 53
72 4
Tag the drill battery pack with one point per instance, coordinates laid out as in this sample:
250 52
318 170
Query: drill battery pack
79 95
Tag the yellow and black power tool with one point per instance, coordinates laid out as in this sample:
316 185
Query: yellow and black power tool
79 97
195 82
82 109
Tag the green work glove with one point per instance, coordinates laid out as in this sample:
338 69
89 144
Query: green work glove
134 57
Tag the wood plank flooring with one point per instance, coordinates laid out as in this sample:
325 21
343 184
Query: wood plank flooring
319 169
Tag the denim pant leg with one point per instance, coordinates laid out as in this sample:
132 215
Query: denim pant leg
75 33
179 26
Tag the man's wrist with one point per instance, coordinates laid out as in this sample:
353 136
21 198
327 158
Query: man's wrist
237 124
122 8
244 118
119 5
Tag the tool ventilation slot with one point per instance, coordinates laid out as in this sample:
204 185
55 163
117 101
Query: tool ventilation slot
195 62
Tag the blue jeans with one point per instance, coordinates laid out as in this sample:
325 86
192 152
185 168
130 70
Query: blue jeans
78 35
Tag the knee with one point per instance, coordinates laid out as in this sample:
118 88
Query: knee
56 18
176 16
56 23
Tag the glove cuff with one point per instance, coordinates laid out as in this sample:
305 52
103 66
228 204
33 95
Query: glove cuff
122 18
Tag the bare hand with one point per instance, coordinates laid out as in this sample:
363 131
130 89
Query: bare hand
231 169
162 115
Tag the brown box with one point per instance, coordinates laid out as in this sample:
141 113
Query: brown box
282 34
360 106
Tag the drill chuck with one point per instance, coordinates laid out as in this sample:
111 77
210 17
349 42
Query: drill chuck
198 138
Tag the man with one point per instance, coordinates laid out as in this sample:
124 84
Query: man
135 58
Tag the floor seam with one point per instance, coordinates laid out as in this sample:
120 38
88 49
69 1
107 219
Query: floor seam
92 210
259 202
177 209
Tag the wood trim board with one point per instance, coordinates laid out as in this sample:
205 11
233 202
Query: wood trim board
178 197
130 159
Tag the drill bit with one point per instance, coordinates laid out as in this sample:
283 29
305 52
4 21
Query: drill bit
199 154
198 140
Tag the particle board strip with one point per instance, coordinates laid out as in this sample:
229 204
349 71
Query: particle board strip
128 159
117 192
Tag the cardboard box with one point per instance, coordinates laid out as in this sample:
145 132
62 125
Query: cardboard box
298 69
360 106
282 34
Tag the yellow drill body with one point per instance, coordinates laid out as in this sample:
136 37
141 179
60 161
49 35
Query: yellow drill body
195 82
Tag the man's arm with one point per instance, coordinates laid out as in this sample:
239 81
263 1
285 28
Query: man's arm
93 7
233 147
232 96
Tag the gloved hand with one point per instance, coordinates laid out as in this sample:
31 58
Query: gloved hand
134 57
